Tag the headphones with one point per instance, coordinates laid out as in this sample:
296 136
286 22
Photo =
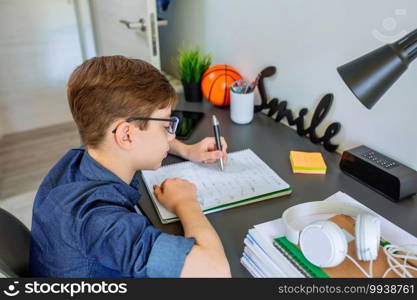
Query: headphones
324 243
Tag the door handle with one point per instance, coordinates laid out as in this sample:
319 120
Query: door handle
141 24
135 25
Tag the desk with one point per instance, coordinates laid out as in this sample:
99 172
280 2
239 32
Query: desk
272 142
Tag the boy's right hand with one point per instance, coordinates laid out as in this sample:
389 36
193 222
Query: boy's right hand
175 192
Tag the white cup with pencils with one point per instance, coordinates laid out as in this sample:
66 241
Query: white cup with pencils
242 102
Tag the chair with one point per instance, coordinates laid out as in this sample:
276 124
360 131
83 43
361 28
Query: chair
14 246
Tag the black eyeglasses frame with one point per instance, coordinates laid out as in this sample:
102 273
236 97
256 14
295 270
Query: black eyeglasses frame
173 120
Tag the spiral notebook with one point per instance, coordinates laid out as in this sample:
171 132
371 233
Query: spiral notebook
246 179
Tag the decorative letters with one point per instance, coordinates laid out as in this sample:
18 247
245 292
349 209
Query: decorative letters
280 107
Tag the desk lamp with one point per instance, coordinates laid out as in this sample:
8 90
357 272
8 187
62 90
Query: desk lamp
369 77
372 74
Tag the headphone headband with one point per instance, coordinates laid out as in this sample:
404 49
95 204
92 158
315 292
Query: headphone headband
302 210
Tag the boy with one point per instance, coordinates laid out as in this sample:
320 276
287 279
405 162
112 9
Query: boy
85 219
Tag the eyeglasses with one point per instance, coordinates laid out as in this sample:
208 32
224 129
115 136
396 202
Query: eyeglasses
173 123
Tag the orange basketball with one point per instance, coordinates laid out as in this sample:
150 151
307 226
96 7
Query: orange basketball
216 81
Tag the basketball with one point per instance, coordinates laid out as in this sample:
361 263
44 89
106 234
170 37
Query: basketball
216 81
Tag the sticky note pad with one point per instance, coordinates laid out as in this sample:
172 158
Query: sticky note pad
307 162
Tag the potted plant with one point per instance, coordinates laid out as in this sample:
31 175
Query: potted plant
192 64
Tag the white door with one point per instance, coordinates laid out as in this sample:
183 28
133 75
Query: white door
126 27
39 48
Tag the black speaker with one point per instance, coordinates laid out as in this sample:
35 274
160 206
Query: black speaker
379 172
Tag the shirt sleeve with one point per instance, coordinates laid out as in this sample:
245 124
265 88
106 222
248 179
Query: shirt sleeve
125 241
168 255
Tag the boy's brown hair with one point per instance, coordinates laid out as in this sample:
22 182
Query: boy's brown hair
104 89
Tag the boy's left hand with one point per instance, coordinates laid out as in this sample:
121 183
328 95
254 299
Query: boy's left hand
206 151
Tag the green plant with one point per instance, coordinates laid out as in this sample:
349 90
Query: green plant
192 64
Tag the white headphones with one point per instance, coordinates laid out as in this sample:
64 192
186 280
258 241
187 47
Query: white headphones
323 243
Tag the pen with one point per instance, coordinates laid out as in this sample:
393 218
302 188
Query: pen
216 127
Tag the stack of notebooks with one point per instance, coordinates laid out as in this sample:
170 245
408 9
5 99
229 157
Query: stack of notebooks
307 162
267 253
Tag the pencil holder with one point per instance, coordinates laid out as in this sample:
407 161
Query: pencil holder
241 107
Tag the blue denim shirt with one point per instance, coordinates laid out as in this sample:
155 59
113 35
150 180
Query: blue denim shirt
85 225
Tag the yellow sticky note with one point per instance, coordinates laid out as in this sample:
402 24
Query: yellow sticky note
307 162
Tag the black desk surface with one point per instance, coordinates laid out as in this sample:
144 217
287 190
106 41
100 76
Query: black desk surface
272 142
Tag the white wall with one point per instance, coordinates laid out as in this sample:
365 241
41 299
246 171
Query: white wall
306 40
39 48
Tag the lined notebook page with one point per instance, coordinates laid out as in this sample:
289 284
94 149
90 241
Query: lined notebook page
244 176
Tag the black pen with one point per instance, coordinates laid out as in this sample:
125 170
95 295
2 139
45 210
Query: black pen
216 127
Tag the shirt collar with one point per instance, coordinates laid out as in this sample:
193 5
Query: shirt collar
93 170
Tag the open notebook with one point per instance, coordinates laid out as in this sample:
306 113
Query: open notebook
245 179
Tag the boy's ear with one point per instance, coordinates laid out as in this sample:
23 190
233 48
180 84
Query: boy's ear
122 136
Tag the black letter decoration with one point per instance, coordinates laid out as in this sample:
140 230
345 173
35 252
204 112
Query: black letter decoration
280 107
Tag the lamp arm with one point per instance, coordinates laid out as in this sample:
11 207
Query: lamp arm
407 46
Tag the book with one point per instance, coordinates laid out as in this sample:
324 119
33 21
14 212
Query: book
246 179
262 250
307 162
286 258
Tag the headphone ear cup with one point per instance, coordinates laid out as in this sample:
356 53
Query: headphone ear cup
324 244
367 237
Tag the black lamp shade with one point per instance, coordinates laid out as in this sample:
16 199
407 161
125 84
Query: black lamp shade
371 75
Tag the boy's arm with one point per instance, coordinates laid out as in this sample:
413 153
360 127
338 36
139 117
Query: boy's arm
123 240
207 257
203 151
177 148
